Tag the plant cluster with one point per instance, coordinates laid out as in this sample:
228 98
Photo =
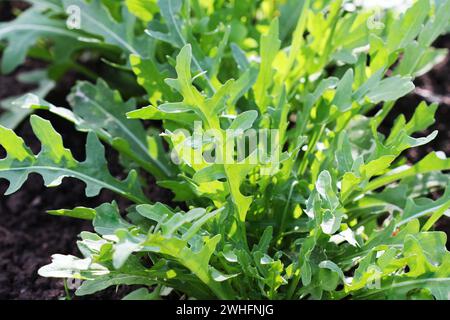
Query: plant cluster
335 211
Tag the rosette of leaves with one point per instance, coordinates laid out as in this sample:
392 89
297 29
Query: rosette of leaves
334 210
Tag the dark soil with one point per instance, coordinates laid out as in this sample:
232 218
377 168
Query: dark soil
29 236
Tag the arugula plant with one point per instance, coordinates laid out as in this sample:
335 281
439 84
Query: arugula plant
333 211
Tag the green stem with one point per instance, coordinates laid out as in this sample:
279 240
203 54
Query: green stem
387 107
292 286
66 290
315 138
286 207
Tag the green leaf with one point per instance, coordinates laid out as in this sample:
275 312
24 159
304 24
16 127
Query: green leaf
436 26
103 111
152 113
107 219
182 189
270 44
291 13
424 252
79 213
72 267
54 163
343 97
151 79
13 114
206 109
408 26
390 89
46 4
194 229
210 173
310 100
399 289
196 261
127 243
243 121
427 259
170 10
435 161
142 294
240 57
325 188
178 34
236 174
143 9
157 212
422 119
188 223
96 19
330 265
99 109
113 279
23 32
421 207
220 277
242 85
183 84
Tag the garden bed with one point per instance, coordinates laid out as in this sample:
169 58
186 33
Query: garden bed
29 236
